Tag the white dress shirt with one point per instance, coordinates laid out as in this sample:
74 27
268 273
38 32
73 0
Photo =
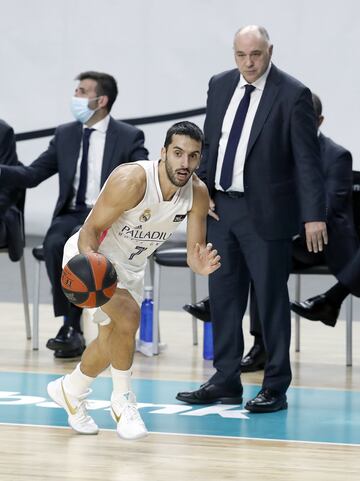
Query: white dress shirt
238 173
95 161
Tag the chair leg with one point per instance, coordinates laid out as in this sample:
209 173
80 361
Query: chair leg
297 317
349 316
156 312
36 306
25 297
193 300
151 264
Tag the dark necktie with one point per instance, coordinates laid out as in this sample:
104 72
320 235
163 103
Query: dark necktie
234 137
80 197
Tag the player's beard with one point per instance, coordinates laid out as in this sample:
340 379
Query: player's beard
171 173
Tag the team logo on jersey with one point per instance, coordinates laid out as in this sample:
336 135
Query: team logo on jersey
179 217
145 216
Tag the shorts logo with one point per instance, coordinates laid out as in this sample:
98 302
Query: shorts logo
145 216
179 217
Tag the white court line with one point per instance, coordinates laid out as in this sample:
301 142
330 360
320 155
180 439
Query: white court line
213 436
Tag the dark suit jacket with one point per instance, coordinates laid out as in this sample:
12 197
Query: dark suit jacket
124 143
11 199
342 252
343 239
282 167
8 195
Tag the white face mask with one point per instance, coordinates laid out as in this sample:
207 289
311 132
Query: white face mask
81 110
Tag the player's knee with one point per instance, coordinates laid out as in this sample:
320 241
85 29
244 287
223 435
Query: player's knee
124 313
126 325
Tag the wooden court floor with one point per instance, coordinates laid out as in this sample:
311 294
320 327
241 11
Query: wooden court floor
56 453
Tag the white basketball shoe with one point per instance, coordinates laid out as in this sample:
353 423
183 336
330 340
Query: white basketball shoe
124 411
76 408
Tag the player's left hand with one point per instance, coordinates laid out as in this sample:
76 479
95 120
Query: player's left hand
205 259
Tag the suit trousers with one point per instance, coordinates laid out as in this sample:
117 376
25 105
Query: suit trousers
301 258
61 228
248 258
2 233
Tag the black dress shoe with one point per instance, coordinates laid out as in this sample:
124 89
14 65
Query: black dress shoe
200 310
267 401
212 393
69 354
67 339
317 308
254 360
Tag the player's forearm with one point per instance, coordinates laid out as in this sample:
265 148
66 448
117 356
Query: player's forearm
89 239
194 267
193 259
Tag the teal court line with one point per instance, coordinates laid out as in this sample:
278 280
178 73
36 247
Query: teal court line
314 415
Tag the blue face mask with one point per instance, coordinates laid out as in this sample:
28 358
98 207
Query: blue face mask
81 110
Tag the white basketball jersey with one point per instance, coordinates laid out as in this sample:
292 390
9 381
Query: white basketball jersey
140 231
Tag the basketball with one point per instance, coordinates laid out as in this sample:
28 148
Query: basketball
89 280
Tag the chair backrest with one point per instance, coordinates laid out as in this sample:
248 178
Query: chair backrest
320 269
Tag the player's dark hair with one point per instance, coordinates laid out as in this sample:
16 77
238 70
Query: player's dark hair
184 128
106 85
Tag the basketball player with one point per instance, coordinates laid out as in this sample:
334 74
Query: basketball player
138 209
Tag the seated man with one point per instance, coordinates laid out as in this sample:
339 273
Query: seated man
9 196
342 254
83 153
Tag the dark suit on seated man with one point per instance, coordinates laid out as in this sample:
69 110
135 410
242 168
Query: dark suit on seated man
260 163
9 196
341 255
83 153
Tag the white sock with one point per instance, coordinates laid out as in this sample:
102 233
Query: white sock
77 383
121 380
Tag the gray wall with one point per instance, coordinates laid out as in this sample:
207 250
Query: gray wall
163 52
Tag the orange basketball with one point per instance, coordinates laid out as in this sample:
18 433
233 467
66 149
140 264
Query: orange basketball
89 280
